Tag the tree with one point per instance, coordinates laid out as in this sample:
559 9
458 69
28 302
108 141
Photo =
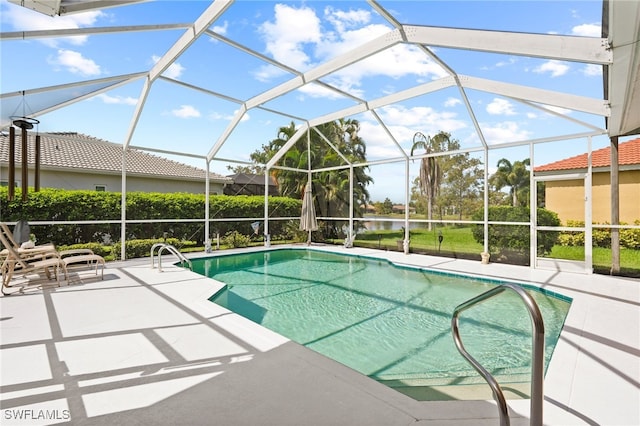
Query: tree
387 206
461 183
330 188
515 176
430 171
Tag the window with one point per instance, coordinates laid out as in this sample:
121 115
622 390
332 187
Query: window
101 188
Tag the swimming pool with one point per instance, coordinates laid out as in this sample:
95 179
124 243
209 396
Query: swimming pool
389 322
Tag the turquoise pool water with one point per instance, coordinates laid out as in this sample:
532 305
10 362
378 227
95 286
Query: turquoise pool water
388 322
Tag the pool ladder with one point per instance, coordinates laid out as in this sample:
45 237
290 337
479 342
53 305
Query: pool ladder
171 249
537 366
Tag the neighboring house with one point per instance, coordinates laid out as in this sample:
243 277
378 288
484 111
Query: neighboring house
566 197
249 184
77 161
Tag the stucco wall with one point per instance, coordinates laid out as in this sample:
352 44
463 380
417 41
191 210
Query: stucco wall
88 181
567 197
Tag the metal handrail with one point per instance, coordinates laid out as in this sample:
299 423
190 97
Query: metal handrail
537 367
171 249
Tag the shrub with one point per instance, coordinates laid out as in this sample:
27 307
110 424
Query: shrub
236 239
515 238
629 238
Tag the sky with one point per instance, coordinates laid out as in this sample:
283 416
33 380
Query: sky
303 36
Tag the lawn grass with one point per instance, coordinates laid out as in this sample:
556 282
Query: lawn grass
629 259
460 241
454 239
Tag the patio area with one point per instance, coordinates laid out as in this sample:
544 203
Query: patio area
147 347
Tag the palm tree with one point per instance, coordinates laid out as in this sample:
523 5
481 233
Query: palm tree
331 188
430 172
515 176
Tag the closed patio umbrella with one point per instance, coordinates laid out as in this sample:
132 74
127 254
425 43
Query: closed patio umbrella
308 220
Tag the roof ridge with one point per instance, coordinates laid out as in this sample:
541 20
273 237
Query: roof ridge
628 154
70 150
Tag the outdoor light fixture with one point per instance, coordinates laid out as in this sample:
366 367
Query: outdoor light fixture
25 123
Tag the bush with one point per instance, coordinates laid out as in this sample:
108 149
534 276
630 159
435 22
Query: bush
236 239
629 238
97 248
514 238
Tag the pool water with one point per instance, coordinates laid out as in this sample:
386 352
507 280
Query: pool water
388 322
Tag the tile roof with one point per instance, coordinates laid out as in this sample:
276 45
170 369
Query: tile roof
68 150
628 155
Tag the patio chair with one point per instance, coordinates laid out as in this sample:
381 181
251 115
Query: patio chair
51 248
25 261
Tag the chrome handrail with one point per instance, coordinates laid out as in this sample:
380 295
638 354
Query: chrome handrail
537 367
171 249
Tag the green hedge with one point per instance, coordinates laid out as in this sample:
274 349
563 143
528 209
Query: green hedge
629 238
63 205
514 238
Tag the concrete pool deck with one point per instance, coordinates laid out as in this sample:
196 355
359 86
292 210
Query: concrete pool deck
147 347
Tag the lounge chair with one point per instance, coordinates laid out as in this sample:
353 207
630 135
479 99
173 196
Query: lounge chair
26 261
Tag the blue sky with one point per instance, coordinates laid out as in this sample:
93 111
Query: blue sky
303 35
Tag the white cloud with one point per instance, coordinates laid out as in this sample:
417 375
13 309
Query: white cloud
342 20
592 70
451 102
75 63
423 119
317 91
117 99
499 106
186 111
556 68
403 123
297 39
286 36
587 30
174 70
507 131
510 61
221 29
228 117
266 73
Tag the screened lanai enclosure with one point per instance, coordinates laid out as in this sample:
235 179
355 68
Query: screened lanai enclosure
425 106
